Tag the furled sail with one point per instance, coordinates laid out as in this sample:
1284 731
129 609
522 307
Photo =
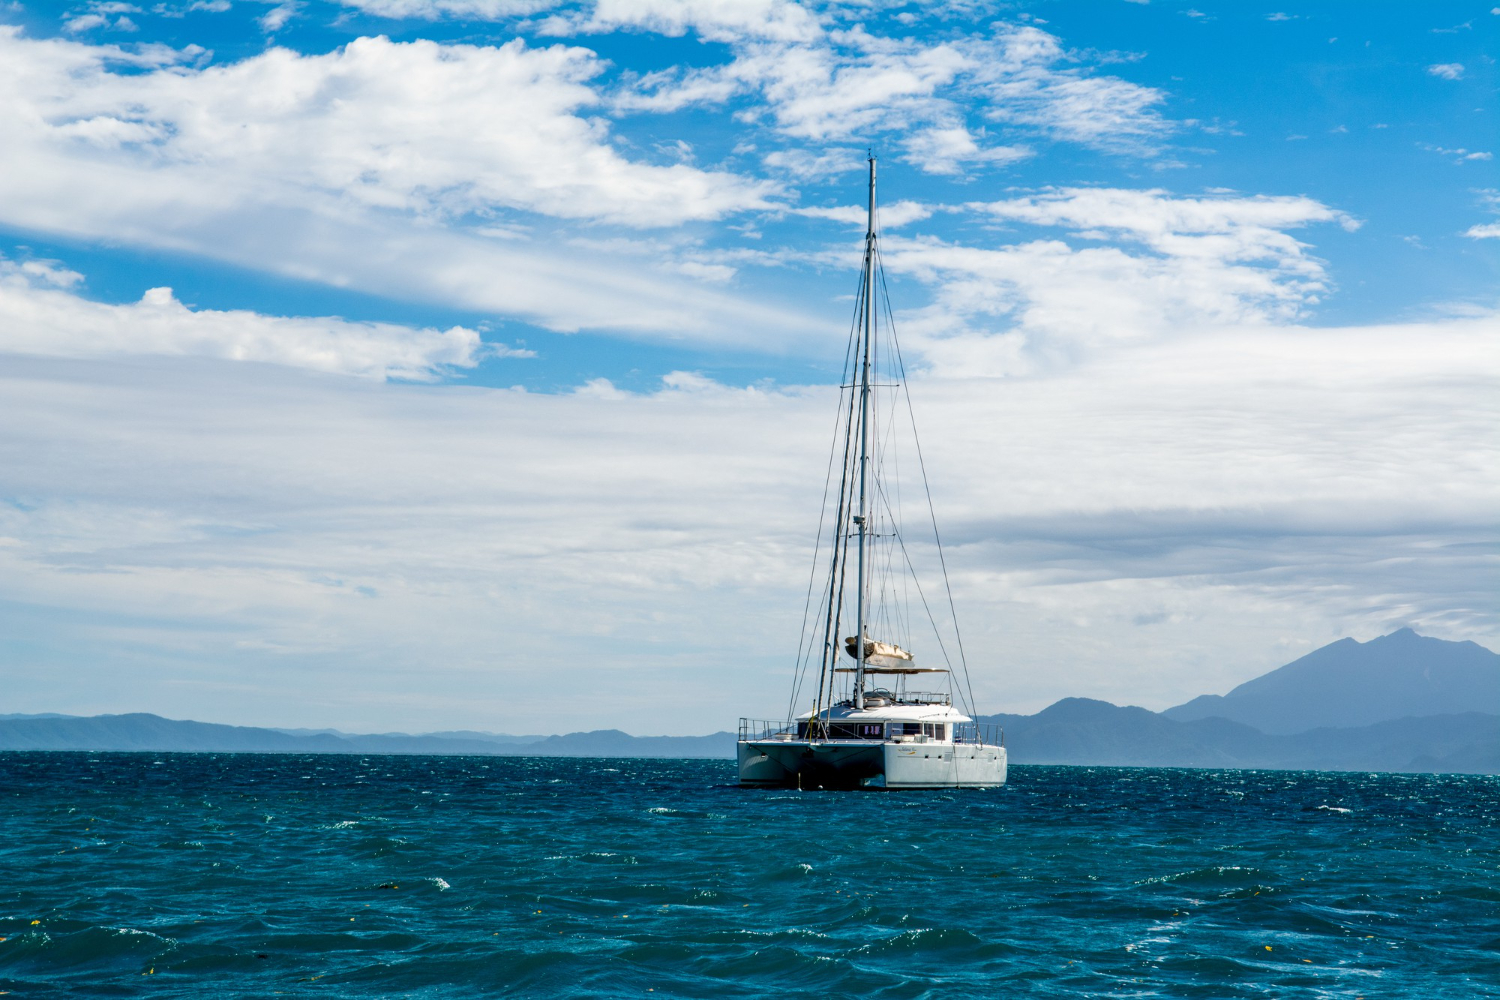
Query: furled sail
884 658
874 648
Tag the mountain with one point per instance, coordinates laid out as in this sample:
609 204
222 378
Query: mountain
142 731
1348 683
471 734
1083 731
614 743
448 734
1073 731
1402 702
1086 731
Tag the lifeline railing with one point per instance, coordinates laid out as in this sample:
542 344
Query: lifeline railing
981 733
759 729
985 733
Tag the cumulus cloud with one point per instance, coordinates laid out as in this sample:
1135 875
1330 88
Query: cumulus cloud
714 20
1447 71
288 529
412 126
360 168
948 150
836 84
39 316
1133 264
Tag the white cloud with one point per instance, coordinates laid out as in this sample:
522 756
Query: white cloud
847 83
713 20
1459 156
415 126
296 532
1489 198
1026 86
276 18
39 317
947 150
1175 264
892 216
1166 223
432 10
1448 71
358 168
84 22
808 165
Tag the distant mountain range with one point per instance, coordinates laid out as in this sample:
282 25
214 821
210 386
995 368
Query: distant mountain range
1348 683
1402 702
1083 731
142 731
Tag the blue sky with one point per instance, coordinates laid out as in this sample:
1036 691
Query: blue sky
1201 297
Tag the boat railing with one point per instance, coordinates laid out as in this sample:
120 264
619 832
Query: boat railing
924 698
760 729
984 733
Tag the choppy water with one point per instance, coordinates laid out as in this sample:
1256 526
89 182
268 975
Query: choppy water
246 876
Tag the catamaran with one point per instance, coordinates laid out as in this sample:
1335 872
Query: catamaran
865 727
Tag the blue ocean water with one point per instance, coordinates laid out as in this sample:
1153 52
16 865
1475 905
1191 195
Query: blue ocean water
199 875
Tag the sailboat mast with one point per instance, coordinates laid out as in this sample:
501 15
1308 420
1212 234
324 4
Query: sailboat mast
864 444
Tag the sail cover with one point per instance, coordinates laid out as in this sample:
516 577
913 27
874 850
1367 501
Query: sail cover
873 648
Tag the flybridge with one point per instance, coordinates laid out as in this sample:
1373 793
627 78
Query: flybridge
857 735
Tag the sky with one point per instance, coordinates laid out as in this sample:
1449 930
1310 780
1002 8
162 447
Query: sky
470 364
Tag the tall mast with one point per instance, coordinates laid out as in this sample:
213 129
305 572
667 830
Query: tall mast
863 521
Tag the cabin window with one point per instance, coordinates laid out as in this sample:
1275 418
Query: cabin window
906 729
856 731
935 730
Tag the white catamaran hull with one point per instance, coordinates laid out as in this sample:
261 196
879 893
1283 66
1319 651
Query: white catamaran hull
889 765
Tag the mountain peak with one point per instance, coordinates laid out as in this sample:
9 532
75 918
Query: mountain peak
1348 683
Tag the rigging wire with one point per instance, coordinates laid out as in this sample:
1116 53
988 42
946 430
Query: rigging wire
931 510
892 608
840 541
804 636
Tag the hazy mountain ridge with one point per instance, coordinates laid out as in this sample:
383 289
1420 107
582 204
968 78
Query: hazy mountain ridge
143 731
1347 684
1460 679
1083 731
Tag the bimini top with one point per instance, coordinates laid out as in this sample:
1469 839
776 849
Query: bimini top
884 658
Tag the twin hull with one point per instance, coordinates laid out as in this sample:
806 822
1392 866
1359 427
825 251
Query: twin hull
854 764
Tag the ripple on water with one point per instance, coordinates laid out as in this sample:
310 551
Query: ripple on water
250 875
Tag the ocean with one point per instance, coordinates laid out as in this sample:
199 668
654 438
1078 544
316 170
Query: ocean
247 875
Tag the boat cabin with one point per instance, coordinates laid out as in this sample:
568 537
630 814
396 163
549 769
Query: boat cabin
885 717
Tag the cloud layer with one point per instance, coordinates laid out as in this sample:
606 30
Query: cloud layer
469 555
1163 460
